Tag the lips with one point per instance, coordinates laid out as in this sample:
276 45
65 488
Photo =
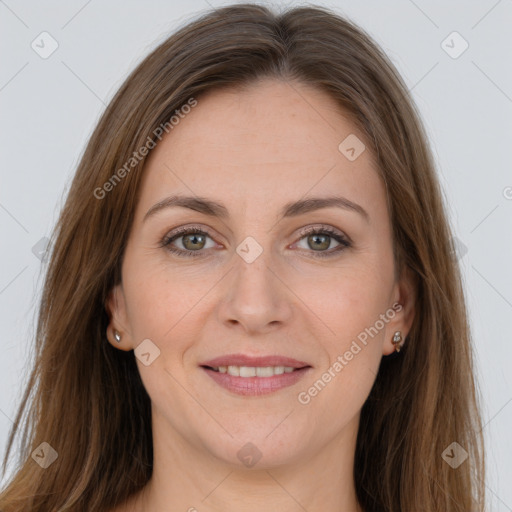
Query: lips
246 375
260 361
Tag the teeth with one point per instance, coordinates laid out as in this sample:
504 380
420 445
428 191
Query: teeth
234 370
247 371
264 371
254 371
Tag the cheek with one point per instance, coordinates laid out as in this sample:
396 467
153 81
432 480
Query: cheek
353 345
354 308
149 308
160 298
349 299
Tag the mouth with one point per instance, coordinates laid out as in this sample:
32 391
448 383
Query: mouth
252 371
244 375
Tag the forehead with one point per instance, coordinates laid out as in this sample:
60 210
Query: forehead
273 139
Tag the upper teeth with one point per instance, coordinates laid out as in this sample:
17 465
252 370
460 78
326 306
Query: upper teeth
254 371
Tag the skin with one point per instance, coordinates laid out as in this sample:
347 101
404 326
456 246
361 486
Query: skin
255 150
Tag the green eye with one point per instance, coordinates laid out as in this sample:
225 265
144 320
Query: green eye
321 239
194 241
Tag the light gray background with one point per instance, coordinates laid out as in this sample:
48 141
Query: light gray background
50 106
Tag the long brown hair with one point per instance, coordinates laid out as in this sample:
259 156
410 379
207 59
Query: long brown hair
87 400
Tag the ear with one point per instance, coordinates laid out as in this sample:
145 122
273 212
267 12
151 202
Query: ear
115 306
404 297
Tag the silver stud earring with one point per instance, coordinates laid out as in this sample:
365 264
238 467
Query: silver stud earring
397 338
117 336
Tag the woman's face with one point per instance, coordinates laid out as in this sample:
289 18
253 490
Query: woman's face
254 283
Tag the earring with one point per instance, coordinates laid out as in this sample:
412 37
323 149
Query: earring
117 336
397 338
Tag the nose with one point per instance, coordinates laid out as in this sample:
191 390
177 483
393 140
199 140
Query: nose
255 298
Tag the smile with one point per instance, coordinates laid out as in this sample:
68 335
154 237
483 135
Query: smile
255 380
254 371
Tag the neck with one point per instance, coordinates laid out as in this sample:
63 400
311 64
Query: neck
192 480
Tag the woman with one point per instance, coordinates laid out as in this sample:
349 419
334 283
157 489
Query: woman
257 217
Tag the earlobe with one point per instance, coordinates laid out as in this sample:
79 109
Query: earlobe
399 328
397 341
117 329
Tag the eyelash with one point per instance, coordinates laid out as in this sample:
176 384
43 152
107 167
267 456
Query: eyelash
193 230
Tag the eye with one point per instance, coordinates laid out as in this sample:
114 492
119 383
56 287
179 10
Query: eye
319 238
193 240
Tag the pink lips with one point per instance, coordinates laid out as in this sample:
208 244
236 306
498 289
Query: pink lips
243 360
255 385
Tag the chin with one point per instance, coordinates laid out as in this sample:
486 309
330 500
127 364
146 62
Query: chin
258 449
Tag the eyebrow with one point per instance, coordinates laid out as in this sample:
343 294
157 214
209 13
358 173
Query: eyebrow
292 209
